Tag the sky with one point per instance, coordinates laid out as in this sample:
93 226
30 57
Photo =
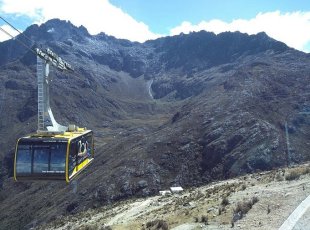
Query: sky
140 20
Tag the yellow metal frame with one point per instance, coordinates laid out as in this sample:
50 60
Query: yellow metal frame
15 159
67 161
77 169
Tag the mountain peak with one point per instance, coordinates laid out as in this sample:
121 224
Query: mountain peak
56 30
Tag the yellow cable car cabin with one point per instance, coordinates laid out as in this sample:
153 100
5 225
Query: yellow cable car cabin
55 152
53 156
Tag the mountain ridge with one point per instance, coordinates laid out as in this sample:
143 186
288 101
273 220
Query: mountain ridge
215 111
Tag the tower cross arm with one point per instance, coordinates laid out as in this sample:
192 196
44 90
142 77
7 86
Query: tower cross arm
50 57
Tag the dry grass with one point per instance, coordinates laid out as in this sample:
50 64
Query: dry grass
295 173
243 207
157 224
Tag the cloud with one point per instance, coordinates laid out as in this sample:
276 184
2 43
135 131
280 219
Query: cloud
101 16
96 15
8 29
291 28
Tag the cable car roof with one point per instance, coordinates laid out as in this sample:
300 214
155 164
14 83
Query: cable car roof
63 135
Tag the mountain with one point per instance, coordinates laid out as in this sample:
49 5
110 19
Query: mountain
183 110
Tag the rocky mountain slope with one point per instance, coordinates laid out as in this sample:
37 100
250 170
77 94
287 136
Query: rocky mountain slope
183 110
239 203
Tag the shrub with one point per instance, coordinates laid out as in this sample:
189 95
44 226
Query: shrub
293 175
243 207
225 201
88 227
105 228
221 209
157 224
254 200
162 225
296 173
208 194
204 219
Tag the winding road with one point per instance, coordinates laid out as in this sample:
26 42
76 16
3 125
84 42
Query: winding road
300 217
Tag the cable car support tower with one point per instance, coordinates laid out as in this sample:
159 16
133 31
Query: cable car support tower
46 121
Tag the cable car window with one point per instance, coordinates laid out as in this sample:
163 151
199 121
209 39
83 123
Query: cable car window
58 157
23 160
40 159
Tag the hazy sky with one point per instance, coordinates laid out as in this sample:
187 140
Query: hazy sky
140 20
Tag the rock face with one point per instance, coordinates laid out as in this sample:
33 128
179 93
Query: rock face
177 111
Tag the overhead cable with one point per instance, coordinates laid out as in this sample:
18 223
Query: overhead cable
29 39
20 42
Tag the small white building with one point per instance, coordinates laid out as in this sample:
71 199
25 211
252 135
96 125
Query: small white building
165 193
176 189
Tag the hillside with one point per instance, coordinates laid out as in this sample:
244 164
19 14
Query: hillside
184 110
243 202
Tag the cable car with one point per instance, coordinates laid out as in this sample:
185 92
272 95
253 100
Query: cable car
51 156
55 152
